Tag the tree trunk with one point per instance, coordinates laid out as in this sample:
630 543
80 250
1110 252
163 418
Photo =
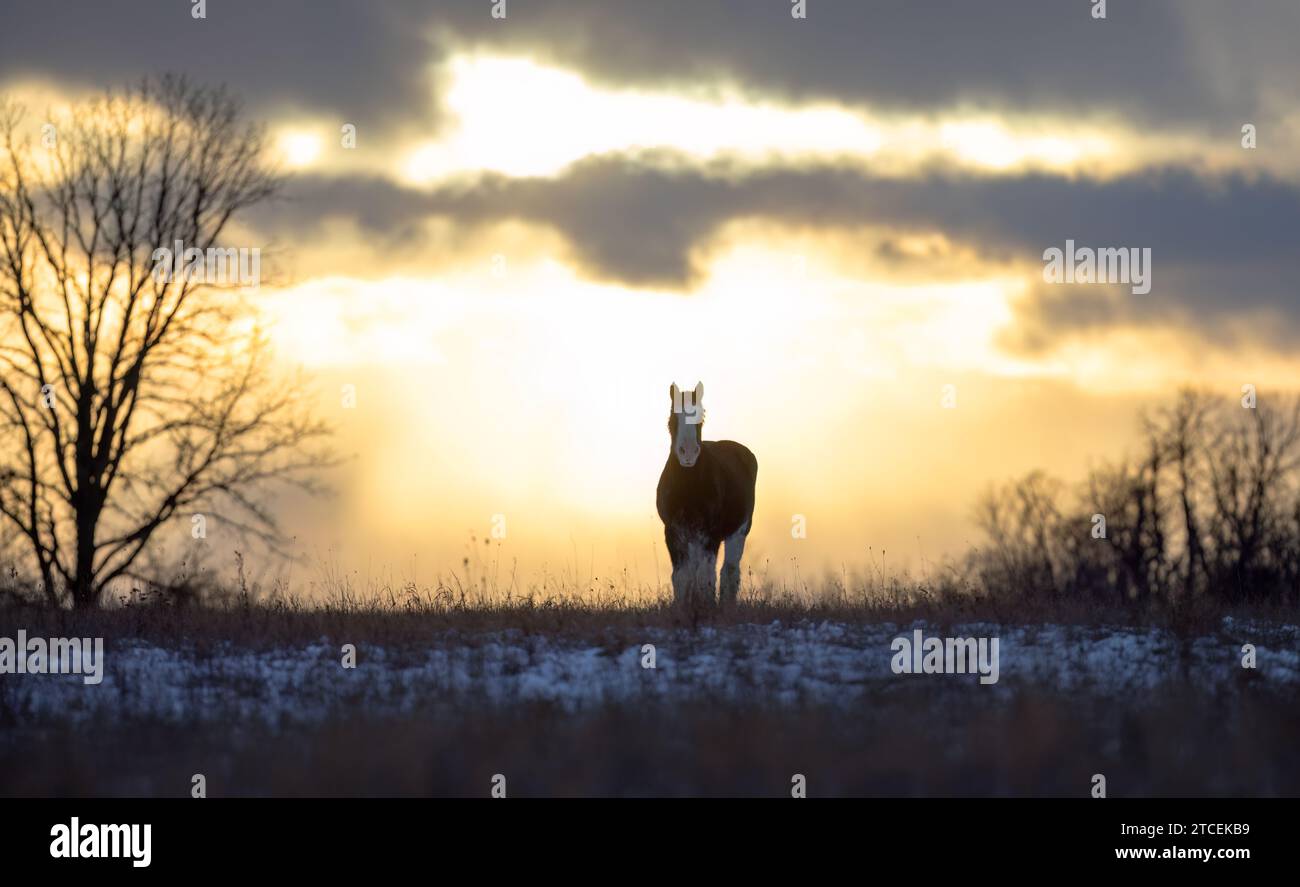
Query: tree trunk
85 593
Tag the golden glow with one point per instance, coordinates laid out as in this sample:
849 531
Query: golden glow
521 118
518 117
542 396
497 100
299 148
991 144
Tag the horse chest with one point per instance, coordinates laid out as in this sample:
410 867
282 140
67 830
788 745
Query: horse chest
690 497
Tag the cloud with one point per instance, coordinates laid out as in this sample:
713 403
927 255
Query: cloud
1195 63
1222 247
367 63
1181 61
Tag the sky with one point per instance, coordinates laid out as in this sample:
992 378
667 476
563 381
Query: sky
837 223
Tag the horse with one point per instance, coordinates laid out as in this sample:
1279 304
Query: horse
705 499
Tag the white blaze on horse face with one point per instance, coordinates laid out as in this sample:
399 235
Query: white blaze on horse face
687 444
688 407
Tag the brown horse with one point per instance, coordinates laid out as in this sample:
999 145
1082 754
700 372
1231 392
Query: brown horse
705 499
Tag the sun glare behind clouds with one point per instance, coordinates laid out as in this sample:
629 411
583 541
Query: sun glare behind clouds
493 98
299 148
585 367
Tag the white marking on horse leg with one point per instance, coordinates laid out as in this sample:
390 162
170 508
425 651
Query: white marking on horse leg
733 549
681 582
686 575
701 574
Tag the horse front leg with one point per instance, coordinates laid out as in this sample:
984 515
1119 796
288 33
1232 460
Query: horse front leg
679 552
695 566
704 575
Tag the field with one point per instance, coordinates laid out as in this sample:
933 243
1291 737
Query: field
553 693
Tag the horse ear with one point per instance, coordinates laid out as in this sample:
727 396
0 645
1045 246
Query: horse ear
699 393
673 392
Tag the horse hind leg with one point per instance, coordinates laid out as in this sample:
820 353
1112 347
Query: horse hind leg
734 548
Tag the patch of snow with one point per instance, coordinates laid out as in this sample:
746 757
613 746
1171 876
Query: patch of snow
820 663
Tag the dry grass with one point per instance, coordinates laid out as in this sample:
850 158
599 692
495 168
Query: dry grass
410 615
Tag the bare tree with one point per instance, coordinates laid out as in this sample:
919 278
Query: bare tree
1253 463
1210 507
1023 523
1180 432
130 396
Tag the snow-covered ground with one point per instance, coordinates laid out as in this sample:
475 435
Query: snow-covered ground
777 665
